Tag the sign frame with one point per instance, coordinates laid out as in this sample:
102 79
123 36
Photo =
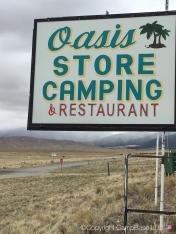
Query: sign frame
93 127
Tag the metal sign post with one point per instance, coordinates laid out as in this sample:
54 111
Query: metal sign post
126 196
157 170
162 183
162 165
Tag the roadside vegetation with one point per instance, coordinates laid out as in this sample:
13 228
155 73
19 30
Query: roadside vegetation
20 159
79 200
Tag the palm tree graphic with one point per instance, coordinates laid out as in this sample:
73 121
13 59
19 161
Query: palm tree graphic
157 31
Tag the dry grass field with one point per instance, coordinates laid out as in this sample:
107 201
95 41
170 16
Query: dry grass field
82 200
31 159
21 159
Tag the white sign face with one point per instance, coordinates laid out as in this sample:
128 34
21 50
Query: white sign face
107 71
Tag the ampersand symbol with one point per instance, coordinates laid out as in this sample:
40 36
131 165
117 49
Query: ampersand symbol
51 110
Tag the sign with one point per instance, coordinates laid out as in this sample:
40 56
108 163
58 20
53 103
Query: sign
170 164
107 72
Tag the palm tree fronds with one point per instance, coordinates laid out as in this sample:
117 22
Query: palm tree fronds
157 30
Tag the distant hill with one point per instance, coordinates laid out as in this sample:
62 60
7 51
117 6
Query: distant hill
129 140
80 136
37 144
135 140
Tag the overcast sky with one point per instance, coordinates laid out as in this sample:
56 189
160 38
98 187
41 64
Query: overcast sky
16 24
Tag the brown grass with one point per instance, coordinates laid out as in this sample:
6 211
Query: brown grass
62 203
20 159
30 159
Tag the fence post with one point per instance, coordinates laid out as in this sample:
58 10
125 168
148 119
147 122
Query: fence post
108 169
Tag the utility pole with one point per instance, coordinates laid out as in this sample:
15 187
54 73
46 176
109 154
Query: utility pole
157 169
167 5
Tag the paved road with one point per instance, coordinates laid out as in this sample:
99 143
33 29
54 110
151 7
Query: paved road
42 170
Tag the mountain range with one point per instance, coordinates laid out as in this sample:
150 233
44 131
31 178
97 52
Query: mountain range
84 141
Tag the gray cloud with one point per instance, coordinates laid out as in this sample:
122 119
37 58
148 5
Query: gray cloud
14 80
18 16
13 42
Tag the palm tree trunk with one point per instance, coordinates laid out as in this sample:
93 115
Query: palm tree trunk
159 40
154 42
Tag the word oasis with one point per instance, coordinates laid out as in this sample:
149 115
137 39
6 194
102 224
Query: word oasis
105 71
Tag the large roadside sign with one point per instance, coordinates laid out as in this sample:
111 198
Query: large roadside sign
104 73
